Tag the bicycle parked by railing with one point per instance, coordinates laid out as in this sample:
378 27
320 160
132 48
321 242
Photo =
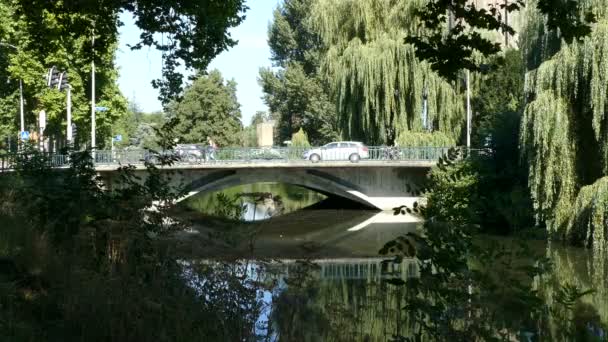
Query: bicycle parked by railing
391 153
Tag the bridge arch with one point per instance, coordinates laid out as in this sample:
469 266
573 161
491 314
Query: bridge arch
312 179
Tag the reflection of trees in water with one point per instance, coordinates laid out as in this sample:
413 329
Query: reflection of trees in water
278 197
341 302
586 270
337 302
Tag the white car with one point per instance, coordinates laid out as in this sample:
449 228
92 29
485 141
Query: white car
340 150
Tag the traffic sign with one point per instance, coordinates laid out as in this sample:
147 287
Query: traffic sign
24 135
118 137
101 109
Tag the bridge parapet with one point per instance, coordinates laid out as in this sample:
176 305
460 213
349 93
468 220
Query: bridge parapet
245 157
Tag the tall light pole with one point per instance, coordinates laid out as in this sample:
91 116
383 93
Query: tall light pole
468 110
425 118
21 111
93 92
69 110
21 106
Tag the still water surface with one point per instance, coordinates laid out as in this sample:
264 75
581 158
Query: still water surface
339 292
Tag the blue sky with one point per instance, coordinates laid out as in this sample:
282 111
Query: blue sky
242 62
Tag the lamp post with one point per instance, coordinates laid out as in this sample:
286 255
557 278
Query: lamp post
93 94
425 96
59 80
468 110
22 119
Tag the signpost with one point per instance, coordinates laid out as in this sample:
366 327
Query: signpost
24 135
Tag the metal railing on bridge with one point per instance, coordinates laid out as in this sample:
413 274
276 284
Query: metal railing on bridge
244 155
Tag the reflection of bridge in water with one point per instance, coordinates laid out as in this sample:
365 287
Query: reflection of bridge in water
363 268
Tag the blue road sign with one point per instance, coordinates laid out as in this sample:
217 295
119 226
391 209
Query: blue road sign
118 137
101 109
24 135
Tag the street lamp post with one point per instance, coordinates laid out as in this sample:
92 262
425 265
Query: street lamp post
425 118
21 111
468 111
69 110
93 94
59 80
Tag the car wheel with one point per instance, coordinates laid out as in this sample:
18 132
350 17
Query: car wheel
315 158
354 158
191 158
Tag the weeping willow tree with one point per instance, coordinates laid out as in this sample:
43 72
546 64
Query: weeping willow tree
378 82
590 220
565 127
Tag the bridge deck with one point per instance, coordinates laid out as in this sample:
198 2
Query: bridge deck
219 165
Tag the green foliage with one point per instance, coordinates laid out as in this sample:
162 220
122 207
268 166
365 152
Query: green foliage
470 291
291 38
250 136
88 264
44 36
452 31
209 108
577 315
452 194
552 130
60 33
588 222
456 297
297 94
425 139
500 96
451 47
377 80
138 128
260 117
229 208
200 35
563 135
300 139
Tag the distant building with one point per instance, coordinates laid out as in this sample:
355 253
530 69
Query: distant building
265 133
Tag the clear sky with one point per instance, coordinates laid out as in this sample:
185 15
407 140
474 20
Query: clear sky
242 62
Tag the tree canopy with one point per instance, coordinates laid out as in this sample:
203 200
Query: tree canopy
208 108
191 32
452 33
36 35
297 94
378 82
564 132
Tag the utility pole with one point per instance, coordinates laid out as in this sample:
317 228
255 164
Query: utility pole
93 93
21 105
69 109
468 110
506 23
21 111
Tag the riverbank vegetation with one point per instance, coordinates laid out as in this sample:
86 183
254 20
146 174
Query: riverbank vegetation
81 263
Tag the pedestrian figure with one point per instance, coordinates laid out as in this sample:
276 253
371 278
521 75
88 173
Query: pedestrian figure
211 147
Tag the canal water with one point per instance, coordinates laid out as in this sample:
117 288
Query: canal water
323 277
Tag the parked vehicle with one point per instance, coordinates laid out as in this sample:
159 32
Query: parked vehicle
340 150
189 152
